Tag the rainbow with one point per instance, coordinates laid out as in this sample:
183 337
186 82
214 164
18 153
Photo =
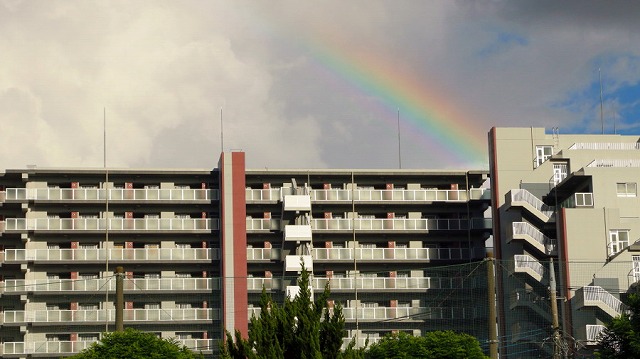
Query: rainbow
449 136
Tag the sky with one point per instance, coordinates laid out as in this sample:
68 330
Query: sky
295 84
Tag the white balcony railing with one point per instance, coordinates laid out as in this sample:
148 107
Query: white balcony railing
262 224
258 195
409 254
18 286
526 262
593 332
402 195
406 224
605 146
114 224
400 283
57 348
524 230
398 313
115 254
614 163
263 254
89 316
522 195
599 297
115 194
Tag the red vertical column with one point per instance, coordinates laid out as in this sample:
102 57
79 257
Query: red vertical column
233 235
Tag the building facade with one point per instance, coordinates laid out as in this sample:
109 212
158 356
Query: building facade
198 246
567 201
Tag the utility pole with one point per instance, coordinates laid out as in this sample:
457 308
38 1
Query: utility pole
119 299
557 340
491 298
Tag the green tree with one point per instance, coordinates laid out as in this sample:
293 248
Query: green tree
436 344
133 344
621 337
299 328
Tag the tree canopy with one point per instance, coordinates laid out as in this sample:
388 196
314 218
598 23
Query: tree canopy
436 344
621 337
299 328
133 344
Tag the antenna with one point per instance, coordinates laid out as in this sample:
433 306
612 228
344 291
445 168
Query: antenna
221 133
613 109
601 111
399 150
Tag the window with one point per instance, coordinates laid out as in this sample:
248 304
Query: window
618 240
636 268
560 171
627 189
542 154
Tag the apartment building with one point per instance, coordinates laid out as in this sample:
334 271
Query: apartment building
570 200
198 246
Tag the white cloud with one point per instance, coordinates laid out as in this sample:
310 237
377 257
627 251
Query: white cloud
164 69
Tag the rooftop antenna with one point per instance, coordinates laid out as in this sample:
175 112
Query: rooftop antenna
613 109
221 133
399 152
601 111
106 212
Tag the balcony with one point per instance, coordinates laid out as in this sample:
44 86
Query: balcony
528 265
293 263
23 286
398 195
395 284
263 254
137 316
297 203
396 254
531 300
114 224
297 233
533 205
531 235
263 195
596 296
53 348
262 224
591 333
115 195
399 224
395 314
97 255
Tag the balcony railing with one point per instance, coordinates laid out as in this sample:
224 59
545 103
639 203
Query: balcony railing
19 286
605 146
526 262
263 254
68 347
114 224
615 163
267 195
401 195
524 230
406 224
90 316
599 297
115 194
580 199
398 313
593 332
522 195
409 254
114 254
399 283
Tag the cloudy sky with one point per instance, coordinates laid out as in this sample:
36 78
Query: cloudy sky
323 84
